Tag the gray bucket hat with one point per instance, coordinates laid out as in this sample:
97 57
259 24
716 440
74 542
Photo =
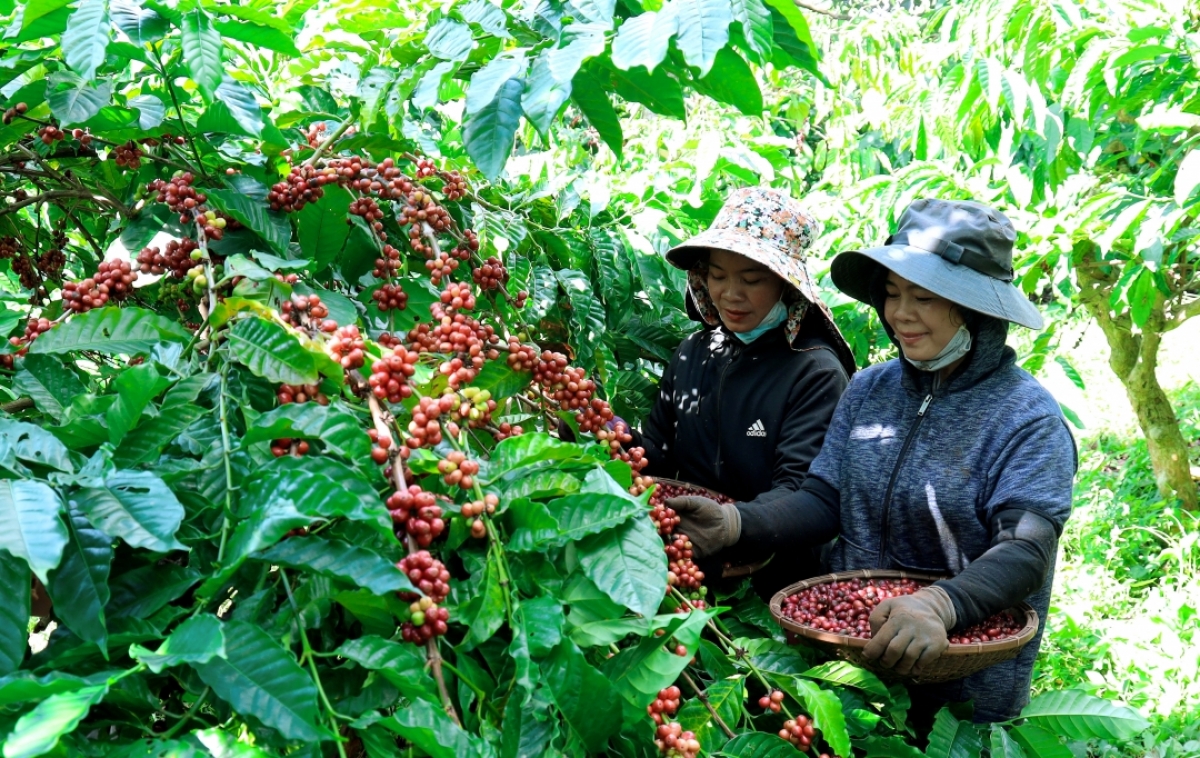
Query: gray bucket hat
956 249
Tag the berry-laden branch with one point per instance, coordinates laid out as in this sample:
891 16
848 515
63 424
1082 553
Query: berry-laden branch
703 696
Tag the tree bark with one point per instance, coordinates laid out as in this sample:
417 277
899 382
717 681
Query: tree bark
1133 357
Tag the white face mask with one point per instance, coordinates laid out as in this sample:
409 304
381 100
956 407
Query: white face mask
958 346
774 318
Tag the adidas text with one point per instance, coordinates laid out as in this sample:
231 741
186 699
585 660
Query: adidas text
757 429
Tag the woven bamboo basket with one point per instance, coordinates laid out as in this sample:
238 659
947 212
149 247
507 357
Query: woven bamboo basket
728 570
958 661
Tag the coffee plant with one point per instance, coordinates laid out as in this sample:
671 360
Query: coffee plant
279 465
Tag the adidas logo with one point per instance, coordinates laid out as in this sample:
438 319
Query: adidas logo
757 429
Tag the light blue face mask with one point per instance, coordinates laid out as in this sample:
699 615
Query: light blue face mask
958 346
776 316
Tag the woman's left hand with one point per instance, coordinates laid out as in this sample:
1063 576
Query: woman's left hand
909 632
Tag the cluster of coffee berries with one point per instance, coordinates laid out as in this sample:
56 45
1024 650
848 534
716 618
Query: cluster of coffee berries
388 263
301 393
370 212
682 572
665 705
307 311
506 430
844 606
175 261
282 447
303 185
468 342
476 408
390 374
674 742
476 508
455 297
417 512
347 347
424 429
490 275
84 137
799 731
180 196
213 224
20 109
427 574
33 329
380 445
390 297
426 622
454 186
998 627
549 370
128 155
49 134
457 470
522 357
773 701
425 168
113 281
440 266
315 133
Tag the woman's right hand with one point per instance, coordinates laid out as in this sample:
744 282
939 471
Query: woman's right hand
710 526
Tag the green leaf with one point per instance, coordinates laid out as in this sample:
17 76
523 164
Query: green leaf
1142 296
545 93
759 745
628 565
31 444
79 586
449 40
841 672
51 385
487 81
258 35
587 313
23 687
402 664
703 30
136 387
16 578
757 27
775 657
659 91
641 671
799 25
144 591
588 93
484 614
322 228
516 453
888 747
271 351
1080 716
952 738
732 82
261 679
112 331
202 51
86 37
588 513
32 529
826 711
38 731
488 134
78 101
643 39
584 696
1187 178
272 227
340 431
199 639
245 110
1039 743
134 506
141 24
1004 746
429 729
339 560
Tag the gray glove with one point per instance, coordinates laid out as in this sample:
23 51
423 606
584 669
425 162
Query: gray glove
909 632
710 526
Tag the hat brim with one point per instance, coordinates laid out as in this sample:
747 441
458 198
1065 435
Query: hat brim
852 272
686 256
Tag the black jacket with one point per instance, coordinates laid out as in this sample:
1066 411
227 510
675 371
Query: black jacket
744 420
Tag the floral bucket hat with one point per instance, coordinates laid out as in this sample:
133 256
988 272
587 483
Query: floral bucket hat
772 229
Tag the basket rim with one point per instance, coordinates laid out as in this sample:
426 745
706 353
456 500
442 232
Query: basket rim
1023 637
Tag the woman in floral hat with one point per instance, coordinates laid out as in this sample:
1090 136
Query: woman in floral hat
744 403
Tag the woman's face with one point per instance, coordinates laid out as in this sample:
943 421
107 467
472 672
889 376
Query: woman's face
923 322
743 291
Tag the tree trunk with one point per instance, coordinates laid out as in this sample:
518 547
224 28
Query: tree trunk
1133 357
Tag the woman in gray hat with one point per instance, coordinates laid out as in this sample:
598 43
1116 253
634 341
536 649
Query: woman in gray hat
744 403
950 460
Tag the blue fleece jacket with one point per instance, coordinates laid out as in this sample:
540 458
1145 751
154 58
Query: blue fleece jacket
922 472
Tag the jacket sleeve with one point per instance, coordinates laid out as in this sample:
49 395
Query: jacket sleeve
807 517
657 435
810 410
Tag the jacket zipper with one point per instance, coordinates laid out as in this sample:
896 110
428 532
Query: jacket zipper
720 394
887 498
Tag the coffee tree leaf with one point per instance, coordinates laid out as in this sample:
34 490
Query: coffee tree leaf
703 29
141 24
485 611
643 39
894 747
79 585
587 313
269 350
545 93
402 664
141 592
86 37
339 560
259 678
1039 743
486 82
23 687
427 727
489 132
339 431
38 731
732 82
242 106
322 229
33 530
952 738
757 27
197 640
78 101
844 673
582 514
758 745
628 564
826 712
136 507
588 93
775 657
1002 744
259 35
1080 716
34 445
15 577
136 387
112 331
526 450
641 671
51 384
202 51
449 40
528 729
584 696
272 227
796 22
